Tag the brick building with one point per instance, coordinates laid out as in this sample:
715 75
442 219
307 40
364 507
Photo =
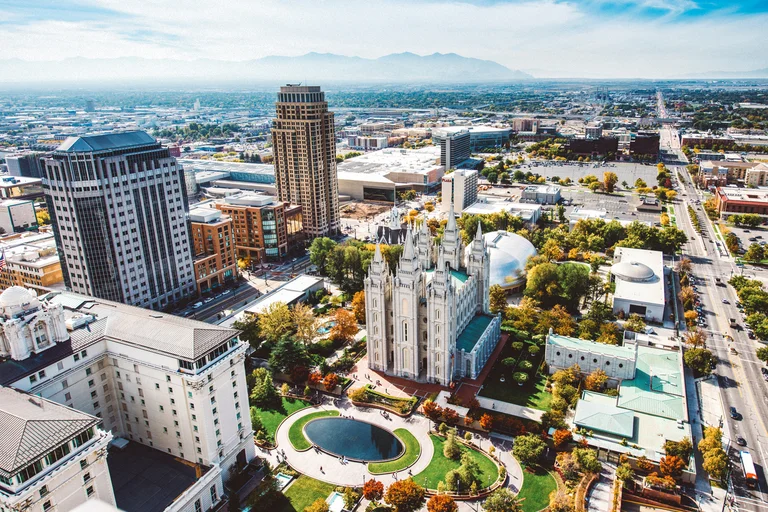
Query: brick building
214 248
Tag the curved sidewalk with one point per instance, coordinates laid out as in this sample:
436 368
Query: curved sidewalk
352 473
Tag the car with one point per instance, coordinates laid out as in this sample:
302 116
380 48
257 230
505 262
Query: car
751 335
226 292
746 231
752 239
735 414
208 300
758 236
197 305
741 441
764 370
726 301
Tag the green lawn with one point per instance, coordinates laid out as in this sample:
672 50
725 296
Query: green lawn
440 465
536 489
296 432
271 418
531 394
411 455
303 492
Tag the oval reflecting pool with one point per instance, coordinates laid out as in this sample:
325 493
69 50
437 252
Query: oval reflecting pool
353 439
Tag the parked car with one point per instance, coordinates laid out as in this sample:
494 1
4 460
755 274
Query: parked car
735 414
741 441
197 305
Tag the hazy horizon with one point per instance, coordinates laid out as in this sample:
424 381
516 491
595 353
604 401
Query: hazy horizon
645 39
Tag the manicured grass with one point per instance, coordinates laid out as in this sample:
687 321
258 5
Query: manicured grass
440 465
531 394
536 489
296 432
271 418
411 455
303 492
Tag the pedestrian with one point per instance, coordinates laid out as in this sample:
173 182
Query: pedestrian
321 470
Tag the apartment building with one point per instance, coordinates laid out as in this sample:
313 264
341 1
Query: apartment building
264 229
305 157
31 261
154 380
52 457
459 190
118 206
214 248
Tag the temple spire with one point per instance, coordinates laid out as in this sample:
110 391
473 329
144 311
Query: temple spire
479 234
451 226
377 255
408 250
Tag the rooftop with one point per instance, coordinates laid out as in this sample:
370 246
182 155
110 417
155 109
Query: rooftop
33 426
509 253
657 388
106 142
592 346
148 480
458 277
748 195
596 411
392 160
472 332
639 275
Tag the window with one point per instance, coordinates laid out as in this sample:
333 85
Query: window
214 496
32 379
89 491
86 478
198 506
43 490
67 396
47 505
41 374
157 386
83 464
162 408
87 371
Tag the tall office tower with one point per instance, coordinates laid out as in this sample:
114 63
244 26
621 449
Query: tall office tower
454 147
118 207
305 157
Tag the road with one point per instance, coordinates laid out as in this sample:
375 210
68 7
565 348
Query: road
741 382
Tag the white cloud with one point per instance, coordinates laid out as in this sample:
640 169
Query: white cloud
557 36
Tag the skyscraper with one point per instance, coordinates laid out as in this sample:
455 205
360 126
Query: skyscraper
305 157
118 207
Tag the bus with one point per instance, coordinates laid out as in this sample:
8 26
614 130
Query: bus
750 474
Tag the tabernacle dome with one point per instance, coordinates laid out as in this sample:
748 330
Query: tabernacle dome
509 253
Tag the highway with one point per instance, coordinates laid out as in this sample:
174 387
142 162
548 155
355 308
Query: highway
741 383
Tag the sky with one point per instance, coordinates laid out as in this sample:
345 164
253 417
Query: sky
550 38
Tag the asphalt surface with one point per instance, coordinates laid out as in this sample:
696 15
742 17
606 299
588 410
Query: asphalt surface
741 383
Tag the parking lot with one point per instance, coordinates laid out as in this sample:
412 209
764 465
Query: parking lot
626 171
621 207
748 236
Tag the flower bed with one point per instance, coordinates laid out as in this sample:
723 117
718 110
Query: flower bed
366 396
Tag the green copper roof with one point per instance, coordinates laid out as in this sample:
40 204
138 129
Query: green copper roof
591 346
596 411
107 141
459 277
657 388
472 332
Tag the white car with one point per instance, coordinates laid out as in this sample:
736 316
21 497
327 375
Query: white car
197 305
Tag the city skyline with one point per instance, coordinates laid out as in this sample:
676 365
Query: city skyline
593 39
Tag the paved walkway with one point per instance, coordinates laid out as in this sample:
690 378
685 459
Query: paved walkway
600 496
511 409
355 473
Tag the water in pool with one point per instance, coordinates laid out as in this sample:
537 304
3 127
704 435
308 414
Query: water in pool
354 439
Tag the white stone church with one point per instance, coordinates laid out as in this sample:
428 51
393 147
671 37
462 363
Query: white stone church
430 321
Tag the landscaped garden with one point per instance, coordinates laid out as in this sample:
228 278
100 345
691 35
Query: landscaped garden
271 416
366 394
486 470
538 483
303 492
519 358
296 432
410 456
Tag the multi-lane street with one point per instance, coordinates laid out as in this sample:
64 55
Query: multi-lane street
738 371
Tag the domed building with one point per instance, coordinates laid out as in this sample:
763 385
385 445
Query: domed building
639 277
509 253
27 325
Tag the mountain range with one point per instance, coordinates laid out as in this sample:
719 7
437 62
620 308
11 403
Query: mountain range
314 67
755 73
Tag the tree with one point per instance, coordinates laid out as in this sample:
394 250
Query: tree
671 465
528 449
695 338
715 463
755 253
450 416
249 331
624 472
609 334
562 437
609 181
451 448
442 503
684 265
762 354
43 217
661 482
431 410
644 464
263 393
587 459
405 496
560 501
699 360
319 251
373 490
304 321
595 186
358 306
635 323
713 439
498 298
319 505
486 421
331 381
639 183
346 325
287 354
502 500
681 449
275 321
596 380
690 318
